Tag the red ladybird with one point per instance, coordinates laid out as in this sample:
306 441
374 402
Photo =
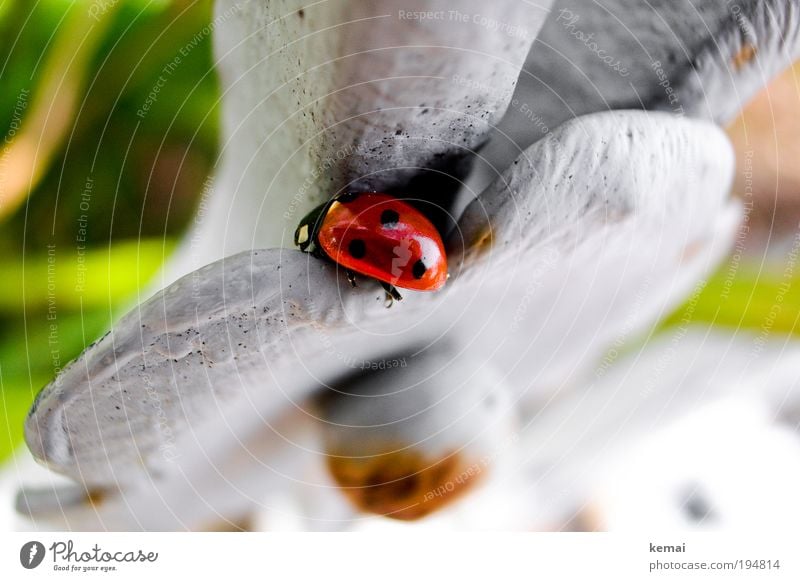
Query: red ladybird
378 236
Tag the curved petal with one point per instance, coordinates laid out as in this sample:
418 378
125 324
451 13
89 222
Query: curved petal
406 441
697 430
266 322
234 472
318 97
704 59
590 236
259 332
597 169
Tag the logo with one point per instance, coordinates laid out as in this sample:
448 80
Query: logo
31 554
402 256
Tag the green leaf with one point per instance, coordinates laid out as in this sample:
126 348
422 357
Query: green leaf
746 297
77 277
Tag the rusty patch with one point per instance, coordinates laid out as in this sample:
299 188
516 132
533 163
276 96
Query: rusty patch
744 57
484 240
403 485
585 520
692 250
223 525
95 498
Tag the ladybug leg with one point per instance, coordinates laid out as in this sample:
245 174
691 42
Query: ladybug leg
391 294
351 277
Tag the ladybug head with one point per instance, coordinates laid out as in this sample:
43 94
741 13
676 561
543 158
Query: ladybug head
306 233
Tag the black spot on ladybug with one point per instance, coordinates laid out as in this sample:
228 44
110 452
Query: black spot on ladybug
419 269
357 248
389 217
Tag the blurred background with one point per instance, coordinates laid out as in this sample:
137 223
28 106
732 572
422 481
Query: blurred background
105 150
107 146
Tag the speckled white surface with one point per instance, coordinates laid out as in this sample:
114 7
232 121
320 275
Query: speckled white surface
696 431
223 354
691 57
597 232
348 91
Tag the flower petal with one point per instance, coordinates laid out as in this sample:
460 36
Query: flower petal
703 59
594 233
268 323
411 439
688 433
598 169
350 94
259 332
232 473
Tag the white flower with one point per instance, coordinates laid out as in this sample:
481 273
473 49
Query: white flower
243 395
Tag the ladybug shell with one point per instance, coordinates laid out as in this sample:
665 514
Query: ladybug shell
379 236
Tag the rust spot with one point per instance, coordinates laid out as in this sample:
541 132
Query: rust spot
484 240
744 57
95 498
403 485
223 525
692 250
301 13
585 520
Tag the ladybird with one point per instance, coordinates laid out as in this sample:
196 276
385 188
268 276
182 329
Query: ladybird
378 236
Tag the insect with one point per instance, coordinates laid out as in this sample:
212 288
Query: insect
378 236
